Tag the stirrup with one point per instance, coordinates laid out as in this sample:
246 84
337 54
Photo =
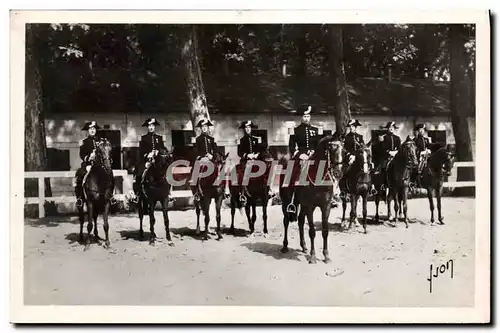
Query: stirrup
291 208
79 202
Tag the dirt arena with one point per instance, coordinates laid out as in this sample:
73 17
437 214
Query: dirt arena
386 267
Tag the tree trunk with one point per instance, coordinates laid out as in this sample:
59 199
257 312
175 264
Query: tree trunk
459 106
337 72
35 147
198 107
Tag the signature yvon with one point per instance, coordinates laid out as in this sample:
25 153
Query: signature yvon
440 269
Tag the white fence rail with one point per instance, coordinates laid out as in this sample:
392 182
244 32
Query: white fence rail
41 175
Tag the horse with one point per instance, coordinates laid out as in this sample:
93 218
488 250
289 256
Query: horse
154 187
313 195
438 165
257 189
357 182
399 172
98 185
208 190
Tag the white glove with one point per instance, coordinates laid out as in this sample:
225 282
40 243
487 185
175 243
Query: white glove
148 164
351 159
428 151
151 154
393 153
92 155
210 156
303 157
88 168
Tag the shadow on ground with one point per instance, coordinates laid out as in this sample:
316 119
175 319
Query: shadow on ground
51 221
273 250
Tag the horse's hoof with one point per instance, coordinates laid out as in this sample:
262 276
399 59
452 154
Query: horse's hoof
170 243
87 247
407 226
313 260
327 260
106 245
198 232
152 242
219 237
441 222
266 235
304 250
284 249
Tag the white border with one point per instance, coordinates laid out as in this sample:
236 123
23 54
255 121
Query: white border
192 314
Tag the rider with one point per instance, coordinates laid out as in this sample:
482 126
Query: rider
250 147
149 145
390 145
352 142
304 139
205 147
423 145
87 154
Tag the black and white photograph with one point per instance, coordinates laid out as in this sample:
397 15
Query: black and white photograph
314 163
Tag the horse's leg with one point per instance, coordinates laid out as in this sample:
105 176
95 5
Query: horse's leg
142 207
90 215
152 235
312 234
218 205
365 210
206 210
233 211
354 208
396 204
96 231
431 202
377 203
166 221
106 224
81 216
404 202
198 212
247 213
438 199
325 214
264 213
389 211
254 214
344 208
302 220
284 249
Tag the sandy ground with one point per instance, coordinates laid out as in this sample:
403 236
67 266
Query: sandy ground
386 267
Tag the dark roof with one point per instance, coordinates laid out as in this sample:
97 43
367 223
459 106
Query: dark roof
270 93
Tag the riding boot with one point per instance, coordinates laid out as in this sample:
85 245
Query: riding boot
79 195
198 192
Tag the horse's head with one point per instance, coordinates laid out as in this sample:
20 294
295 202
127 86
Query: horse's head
442 160
103 153
364 159
408 150
266 156
161 160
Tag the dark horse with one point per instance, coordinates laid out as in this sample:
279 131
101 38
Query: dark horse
257 189
329 154
98 186
357 182
399 173
154 187
208 190
439 164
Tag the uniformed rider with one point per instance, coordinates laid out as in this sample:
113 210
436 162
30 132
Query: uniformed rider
352 142
205 147
87 154
423 145
250 147
391 144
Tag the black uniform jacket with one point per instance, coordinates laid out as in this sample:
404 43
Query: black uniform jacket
150 142
205 144
88 145
249 144
304 139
